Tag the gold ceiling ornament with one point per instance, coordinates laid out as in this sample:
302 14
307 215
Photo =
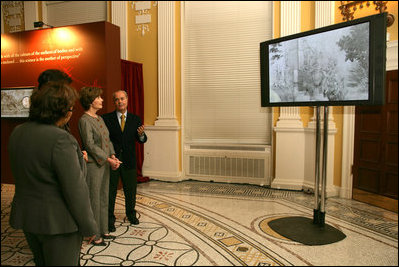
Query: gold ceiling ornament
348 9
143 15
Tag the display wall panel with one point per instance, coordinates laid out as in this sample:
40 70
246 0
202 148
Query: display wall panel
89 53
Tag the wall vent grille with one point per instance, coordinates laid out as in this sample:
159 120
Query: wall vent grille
240 164
227 166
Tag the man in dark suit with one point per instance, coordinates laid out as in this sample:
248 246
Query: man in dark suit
124 130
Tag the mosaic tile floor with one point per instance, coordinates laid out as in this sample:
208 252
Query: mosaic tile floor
194 223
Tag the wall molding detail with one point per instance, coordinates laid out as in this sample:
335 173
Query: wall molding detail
166 64
119 18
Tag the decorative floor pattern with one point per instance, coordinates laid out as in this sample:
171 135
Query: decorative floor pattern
194 223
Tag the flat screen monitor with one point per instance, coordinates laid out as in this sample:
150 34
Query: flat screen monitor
341 64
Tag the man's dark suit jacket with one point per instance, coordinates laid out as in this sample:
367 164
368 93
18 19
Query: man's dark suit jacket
51 194
124 142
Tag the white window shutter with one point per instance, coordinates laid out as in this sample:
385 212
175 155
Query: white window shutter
222 71
64 13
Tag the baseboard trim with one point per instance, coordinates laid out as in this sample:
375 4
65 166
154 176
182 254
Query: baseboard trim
164 176
375 200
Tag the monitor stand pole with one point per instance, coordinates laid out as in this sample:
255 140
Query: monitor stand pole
319 212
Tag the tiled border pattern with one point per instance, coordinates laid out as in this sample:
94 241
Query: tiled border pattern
246 252
352 211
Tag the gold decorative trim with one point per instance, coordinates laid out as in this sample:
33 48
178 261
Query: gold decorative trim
348 9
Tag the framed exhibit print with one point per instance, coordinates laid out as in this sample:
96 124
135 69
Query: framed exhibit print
15 101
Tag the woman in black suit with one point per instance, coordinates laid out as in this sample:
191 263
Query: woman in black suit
51 202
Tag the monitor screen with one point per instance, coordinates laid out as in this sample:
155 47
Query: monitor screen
341 64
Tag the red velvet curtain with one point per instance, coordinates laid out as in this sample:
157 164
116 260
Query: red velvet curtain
132 83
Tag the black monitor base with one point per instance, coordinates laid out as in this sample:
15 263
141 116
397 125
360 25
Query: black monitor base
303 230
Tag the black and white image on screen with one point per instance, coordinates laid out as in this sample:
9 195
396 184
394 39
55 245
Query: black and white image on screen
329 66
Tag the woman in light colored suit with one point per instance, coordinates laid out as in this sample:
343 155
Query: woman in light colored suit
51 202
101 155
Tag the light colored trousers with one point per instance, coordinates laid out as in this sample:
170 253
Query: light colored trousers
98 183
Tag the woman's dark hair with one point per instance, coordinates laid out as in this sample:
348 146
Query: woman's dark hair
53 75
87 96
51 102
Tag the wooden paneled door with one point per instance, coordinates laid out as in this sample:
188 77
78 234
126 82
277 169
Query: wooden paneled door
375 166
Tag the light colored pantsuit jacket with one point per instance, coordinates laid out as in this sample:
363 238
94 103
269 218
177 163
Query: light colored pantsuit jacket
95 140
